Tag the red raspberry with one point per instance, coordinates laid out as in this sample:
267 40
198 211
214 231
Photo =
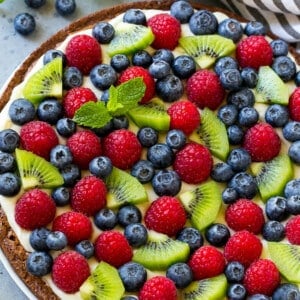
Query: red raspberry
158 287
207 262
38 137
166 215
88 195
193 163
123 148
184 116
75 98
34 209
83 52
294 105
292 230
262 277
205 90
245 214
112 247
84 146
262 142
70 269
244 247
136 71
254 51
76 226
166 29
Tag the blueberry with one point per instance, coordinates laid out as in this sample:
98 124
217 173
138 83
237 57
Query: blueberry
161 155
120 62
258 297
236 291
61 196
297 79
203 22
273 231
71 174
239 159
56 240
103 32
85 248
234 272
163 54
192 237
180 273
9 140
279 47
50 111
248 116
72 77
228 114
100 166
147 136
9 184
136 234
231 29
35 3
38 238
24 23
231 79
169 88
255 28
175 139
292 188
184 66
235 134
249 77
229 195
223 63
129 298
120 122
39 263
7 162
21 111
129 214
294 152
217 234
182 11
61 156
134 16
276 208
143 170
104 130
284 67
65 7
293 204
291 131
221 172
66 127
286 291
105 96
52 54
241 98
244 184
166 183
277 115
159 69
142 58
105 219
103 76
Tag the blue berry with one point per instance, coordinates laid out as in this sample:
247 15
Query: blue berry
249 77
203 22
231 29
163 54
159 69
103 76
184 66
143 170
255 28
24 23
56 240
129 214
39 263
286 291
223 63
277 115
229 195
161 155
105 219
234 272
221 172
284 67
169 88
273 231
61 196
21 111
35 3
103 32
236 291
72 77
235 134
192 237
217 234
175 139
294 152
52 54
60 156
258 297
120 62
241 98
293 205
50 111
7 162
9 184
292 188
231 79
129 298
147 136
297 79
142 58
66 127
244 184
279 47
291 131
65 7
248 116
182 11
276 208
166 183
120 122
134 16
105 96
100 166
9 140
228 114
136 234
85 248
104 130
71 174
37 239
239 159
181 274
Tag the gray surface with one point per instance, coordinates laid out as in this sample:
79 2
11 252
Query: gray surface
13 50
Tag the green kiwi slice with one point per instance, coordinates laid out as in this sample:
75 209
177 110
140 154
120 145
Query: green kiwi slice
272 176
161 251
213 288
124 188
152 114
35 171
46 82
212 133
287 259
129 38
202 204
205 49
104 284
270 88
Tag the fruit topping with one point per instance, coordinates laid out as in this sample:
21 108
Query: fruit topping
292 230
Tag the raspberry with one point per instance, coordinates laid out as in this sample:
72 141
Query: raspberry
254 51
84 146
136 71
262 142
83 52
38 137
206 262
292 230
166 215
294 105
262 277
123 148
75 98
34 209
243 247
70 269
158 287
88 195
193 163
166 29
112 247
184 116
245 214
205 90
76 226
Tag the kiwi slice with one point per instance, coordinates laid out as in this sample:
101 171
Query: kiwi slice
212 133
46 82
161 251
202 204
287 259
129 38
213 288
272 176
104 284
152 114
124 188
205 49
35 171
270 88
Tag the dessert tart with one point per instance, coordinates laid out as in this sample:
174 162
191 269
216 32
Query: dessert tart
151 150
